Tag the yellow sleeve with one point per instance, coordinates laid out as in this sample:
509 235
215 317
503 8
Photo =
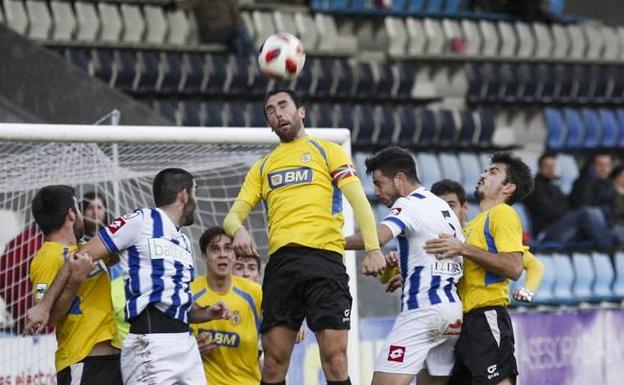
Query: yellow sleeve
341 169
363 214
251 190
235 217
534 271
42 273
505 229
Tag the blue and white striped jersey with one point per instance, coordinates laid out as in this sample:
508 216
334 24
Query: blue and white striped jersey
156 259
414 220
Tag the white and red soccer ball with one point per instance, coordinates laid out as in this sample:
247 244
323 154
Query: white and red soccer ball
281 56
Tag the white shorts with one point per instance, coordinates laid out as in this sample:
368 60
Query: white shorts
161 359
422 338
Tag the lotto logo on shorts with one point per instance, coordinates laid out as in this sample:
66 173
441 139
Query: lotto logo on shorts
116 224
396 353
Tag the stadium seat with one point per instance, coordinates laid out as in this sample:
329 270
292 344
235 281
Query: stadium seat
407 120
529 85
433 7
63 21
417 39
323 115
216 73
192 113
16 17
178 27
612 44
610 129
450 166
473 208
343 78
263 25
172 68
470 169
556 136
526 40
543 41
426 121
491 78
168 110
452 7
601 290
303 82
568 172
595 41
616 75
149 75
88 21
385 84
562 292
509 83
546 82
618 285
254 112
583 84
583 276
405 80
415 6
564 78
475 83
490 40
384 115
576 130
133 23
112 25
525 219
561 41
434 35
578 44
325 77
240 66
365 133
155 24
360 166
397 36
344 116
448 129
545 293
429 167
599 83
285 22
214 114
235 114
306 31
128 76
486 128
593 129
40 20
467 130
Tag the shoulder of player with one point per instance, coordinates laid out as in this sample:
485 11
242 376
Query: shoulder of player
502 211
51 255
324 145
246 285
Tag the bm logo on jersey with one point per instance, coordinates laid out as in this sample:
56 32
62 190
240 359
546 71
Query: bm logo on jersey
289 177
231 340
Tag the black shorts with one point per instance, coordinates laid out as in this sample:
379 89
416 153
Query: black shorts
301 282
98 370
484 354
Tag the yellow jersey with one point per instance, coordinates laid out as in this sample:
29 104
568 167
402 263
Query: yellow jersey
118 296
300 184
235 360
90 319
497 230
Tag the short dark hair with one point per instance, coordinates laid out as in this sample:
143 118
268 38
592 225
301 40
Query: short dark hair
392 160
617 171
545 155
168 183
447 186
89 197
517 172
51 205
293 95
208 235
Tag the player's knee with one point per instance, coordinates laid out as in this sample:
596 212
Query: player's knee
275 364
336 363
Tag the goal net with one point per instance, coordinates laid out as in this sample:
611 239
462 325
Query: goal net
118 164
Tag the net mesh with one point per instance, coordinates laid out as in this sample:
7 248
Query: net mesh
121 174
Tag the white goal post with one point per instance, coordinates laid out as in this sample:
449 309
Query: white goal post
27 146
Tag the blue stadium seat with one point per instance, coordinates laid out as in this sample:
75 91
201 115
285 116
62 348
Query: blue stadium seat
148 81
604 277
556 6
256 114
407 119
344 74
325 77
475 82
576 130
450 166
593 129
486 128
467 129
564 77
429 168
528 81
546 79
235 114
471 170
365 84
618 285
448 131
217 73
240 66
103 60
345 116
555 137
214 114
387 125
386 81
428 128
562 292
610 129
568 172
364 135
191 113
168 110
359 160
599 76
545 293
415 6
127 74
398 6
583 276
510 83
172 73
304 80
582 76
616 74
79 57
406 80
322 115
453 7
433 7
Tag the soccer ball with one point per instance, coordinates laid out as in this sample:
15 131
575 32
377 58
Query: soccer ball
281 56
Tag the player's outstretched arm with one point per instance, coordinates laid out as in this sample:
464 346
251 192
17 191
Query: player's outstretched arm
80 266
38 316
242 243
199 314
534 273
